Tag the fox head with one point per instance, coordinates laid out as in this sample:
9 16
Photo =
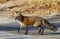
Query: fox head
13 14
16 14
19 16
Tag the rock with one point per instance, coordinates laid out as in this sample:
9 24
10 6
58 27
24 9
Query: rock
30 7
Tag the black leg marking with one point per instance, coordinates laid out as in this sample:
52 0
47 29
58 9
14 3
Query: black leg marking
18 30
26 30
41 30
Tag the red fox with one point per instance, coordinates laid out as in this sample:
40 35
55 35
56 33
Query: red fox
36 22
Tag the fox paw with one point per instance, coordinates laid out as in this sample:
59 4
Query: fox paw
40 33
18 31
25 33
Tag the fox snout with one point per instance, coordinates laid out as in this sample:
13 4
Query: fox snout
18 18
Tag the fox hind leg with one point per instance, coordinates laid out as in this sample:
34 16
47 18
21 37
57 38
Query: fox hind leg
26 30
41 30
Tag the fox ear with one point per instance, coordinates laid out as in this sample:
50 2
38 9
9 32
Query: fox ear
18 12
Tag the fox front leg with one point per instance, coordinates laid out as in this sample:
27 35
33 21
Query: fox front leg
18 30
26 29
41 30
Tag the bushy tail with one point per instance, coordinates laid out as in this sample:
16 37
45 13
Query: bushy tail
49 25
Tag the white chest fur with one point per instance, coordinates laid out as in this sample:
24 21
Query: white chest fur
21 24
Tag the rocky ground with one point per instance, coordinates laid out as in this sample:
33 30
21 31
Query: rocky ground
8 30
31 35
29 7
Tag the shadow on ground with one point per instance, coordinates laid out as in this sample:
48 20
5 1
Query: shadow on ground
15 27
8 28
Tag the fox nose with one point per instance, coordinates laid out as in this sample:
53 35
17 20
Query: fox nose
15 18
